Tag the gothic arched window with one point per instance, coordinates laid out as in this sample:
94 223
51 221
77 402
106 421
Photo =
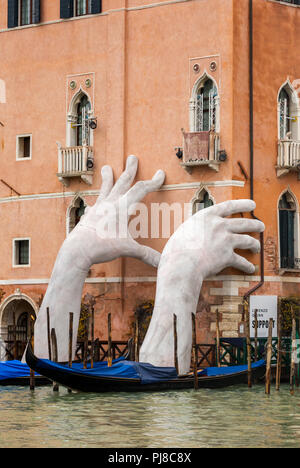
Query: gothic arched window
82 124
75 212
202 201
206 106
287 231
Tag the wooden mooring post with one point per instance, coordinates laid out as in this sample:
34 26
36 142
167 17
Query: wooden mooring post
175 343
71 319
109 348
55 355
279 353
92 337
248 341
48 333
293 355
32 374
218 339
196 385
136 338
255 336
15 336
269 358
86 342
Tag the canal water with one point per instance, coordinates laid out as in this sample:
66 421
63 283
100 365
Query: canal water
234 417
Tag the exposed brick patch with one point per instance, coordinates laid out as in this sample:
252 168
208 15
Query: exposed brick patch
271 255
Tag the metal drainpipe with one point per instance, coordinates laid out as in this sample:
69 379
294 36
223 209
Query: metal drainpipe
261 282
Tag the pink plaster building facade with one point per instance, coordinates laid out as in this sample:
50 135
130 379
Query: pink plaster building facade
86 83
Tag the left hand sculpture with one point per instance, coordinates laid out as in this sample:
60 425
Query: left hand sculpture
99 237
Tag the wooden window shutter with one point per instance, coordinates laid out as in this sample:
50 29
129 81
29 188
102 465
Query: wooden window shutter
36 11
96 6
66 8
12 13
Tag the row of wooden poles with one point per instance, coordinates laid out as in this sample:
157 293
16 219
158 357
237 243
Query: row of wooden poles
293 377
53 351
53 348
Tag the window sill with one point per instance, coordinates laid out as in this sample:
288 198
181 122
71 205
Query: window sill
284 3
59 20
282 271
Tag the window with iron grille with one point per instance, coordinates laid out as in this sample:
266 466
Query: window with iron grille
206 106
21 252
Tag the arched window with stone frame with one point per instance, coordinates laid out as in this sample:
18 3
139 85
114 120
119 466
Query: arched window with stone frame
288 113
80 112
201 200
288 219
75 212
204 105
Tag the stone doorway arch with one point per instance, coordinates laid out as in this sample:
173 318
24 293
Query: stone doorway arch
20 310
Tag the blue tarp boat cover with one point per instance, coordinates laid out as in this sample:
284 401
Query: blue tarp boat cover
121 368
13 370
213 371
144 372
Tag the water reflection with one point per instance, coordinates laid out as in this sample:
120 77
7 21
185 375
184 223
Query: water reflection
236 417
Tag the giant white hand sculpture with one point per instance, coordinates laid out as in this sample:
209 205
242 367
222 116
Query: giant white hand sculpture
98 238
202 246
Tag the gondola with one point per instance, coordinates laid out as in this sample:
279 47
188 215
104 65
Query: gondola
130 376
16 373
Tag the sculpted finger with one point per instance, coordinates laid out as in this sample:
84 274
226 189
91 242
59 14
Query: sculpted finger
240 225
125 180
140 189
242 264
145 254
243 241
233 207
107 182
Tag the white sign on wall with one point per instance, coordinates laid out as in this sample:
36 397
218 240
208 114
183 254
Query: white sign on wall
266 307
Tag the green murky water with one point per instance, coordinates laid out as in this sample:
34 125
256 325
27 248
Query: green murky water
235 417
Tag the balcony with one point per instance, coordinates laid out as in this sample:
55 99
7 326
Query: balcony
75 161
288 157
201 149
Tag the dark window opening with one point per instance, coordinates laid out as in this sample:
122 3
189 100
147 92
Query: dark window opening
202 202
23 12
22 252
287 231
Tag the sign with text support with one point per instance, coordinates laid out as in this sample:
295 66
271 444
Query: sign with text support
266 307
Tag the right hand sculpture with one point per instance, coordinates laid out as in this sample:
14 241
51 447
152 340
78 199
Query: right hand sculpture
202 246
